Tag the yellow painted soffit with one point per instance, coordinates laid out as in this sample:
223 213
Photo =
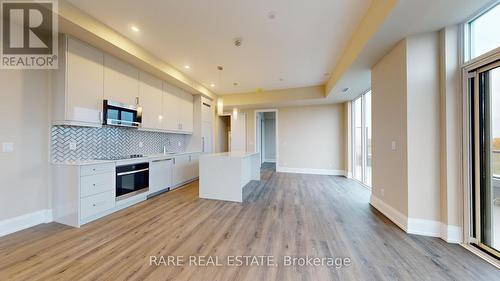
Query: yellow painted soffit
76 22
274 97
369 25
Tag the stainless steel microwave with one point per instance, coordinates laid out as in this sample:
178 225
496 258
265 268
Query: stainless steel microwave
120 114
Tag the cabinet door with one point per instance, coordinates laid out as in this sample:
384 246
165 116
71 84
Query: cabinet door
181 169
84 82
121 81
171 108
194 166
186 111
150 99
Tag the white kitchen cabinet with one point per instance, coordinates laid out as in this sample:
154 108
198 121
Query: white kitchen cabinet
186 111
78 84
177 110
160 175
151 99
83 193
121 81
185 169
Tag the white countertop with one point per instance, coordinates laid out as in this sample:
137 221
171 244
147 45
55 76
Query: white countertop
148 157
235 154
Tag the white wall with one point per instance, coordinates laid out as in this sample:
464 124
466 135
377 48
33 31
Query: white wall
24 173
309 137
423 125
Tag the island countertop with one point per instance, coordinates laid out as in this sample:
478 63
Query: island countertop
234 154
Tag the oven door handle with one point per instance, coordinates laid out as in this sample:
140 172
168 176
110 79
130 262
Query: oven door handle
132 172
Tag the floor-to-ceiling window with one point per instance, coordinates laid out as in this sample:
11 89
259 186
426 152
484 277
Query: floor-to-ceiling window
484 124
362 139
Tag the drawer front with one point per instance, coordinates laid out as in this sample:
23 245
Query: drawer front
97 169
95 184
93 205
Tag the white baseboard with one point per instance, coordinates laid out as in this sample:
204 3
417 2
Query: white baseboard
394 215
424 227
349 175
15 224
449 233
311 171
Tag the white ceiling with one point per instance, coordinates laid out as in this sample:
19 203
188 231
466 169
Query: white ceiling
409 17
299 46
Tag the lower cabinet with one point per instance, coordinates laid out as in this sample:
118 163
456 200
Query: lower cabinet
185 169
83 193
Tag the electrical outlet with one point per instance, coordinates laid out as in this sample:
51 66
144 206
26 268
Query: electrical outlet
393 145
179 144
7 147
141 144
72 145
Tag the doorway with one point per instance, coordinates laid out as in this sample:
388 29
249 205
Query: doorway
362 139
224 133
266 137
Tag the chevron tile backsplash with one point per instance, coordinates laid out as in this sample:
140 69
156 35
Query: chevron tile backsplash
93 143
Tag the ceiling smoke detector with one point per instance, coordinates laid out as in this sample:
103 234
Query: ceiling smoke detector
345 90
237 41
271 15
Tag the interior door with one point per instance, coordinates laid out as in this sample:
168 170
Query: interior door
486 156
239 133
258 136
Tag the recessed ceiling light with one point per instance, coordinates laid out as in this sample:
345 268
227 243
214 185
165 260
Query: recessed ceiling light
271 15
135 28
187 67
212 85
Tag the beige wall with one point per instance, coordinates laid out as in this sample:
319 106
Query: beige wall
422 58
451 126
24 113
389 168
309 137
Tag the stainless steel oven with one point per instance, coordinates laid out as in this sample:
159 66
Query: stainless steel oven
131 179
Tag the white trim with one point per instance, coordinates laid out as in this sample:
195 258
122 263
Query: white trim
424 227
394 215
482 255
310 171
451 233
15 224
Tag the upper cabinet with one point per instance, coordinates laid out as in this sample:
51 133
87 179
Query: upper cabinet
177 110
86 76
78 84
121 81
150 99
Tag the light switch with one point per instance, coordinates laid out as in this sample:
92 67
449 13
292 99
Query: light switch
7 147
72 145
141 144
393 145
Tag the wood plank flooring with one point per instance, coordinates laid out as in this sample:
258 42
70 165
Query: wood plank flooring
283 215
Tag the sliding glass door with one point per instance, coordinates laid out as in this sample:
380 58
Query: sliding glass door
485 100
362 139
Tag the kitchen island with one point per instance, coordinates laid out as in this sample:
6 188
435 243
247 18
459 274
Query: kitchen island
224 175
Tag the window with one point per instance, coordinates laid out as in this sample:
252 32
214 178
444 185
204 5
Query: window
362 139
483 32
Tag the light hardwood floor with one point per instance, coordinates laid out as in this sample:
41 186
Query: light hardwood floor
283 215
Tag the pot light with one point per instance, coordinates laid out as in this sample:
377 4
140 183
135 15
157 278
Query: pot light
212 85
235 113
135 28
187 67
